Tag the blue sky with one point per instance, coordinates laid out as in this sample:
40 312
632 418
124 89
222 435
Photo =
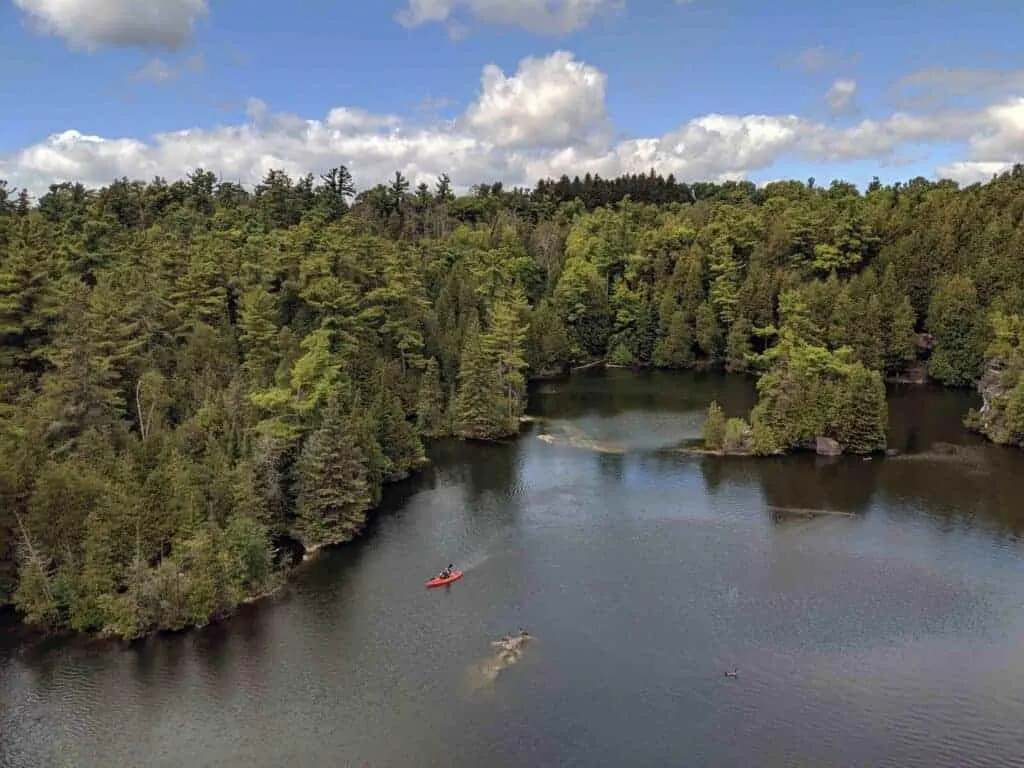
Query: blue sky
665 64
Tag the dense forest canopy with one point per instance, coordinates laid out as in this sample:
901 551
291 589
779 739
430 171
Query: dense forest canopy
194 373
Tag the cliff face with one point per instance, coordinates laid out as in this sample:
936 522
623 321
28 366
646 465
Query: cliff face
991 419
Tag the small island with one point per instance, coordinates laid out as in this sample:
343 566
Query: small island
810 397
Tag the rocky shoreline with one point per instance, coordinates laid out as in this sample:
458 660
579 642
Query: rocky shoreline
990 420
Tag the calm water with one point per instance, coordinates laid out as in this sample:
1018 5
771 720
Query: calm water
891 635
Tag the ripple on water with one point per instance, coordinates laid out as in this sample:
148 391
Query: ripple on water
888 636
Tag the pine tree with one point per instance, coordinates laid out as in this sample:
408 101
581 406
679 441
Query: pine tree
955 320
713 430
738 347
709 332
503 348
334 491
259 334
860 421
675 348
430 420
898 321
83 385
480 409
396 435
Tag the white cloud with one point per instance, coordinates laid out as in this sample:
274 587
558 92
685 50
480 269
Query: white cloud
543 17
547 119
154 71
970 172
157 71
120 23
821 58
841 96
255 109
356 119
1000 137
935 85
552 101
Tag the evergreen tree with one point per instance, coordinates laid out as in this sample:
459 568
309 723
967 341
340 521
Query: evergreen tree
480 409
675 348
955 320
503 348
430 418
334 490
714 427
188 369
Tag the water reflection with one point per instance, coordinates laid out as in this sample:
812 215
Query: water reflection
611 467
882 633
921 416
616 391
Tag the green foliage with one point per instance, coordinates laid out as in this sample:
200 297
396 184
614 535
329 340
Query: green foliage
1002 386
809 391
334 482
714 428
188 369
956 320
737 435
430 405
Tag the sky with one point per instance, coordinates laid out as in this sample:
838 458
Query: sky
510 90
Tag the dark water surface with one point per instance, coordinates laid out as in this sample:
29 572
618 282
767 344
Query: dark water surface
891 635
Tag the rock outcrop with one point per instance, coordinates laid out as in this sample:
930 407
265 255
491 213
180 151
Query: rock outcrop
990 420
826 446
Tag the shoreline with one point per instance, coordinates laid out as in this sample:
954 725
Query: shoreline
282 578
308 554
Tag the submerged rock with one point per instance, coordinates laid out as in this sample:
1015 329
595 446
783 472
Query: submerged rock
563 433
508 651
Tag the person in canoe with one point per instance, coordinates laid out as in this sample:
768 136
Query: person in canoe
447 571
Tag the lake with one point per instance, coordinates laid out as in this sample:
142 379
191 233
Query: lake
874 610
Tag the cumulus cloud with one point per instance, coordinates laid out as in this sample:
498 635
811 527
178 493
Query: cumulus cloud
1000 135
121 23
546 119
543 17
553 101
971 171
841 97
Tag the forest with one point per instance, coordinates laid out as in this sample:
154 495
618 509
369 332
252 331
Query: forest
196 374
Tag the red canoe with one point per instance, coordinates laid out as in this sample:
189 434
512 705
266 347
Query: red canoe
437 581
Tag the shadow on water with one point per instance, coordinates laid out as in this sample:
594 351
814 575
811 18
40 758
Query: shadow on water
876 640
921 416
978 485
484 469
615 391
807 482
611 467
942 469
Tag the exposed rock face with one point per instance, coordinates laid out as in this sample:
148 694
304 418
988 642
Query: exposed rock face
990 420
826 446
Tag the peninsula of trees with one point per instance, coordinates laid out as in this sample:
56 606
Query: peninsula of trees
194 373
